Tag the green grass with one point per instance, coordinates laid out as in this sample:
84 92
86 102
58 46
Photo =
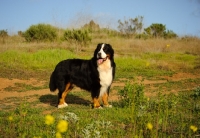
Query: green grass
177 86
40 60
171 115
25 65
128 67
147 64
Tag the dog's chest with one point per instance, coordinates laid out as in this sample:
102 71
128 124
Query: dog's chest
105 74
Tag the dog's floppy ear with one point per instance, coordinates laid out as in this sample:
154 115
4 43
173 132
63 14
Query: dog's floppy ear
111 51
97 49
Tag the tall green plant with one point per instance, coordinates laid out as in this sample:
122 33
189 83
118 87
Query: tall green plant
79 37
132 95
40 33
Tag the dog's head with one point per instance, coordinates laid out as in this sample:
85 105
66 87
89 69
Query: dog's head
103 52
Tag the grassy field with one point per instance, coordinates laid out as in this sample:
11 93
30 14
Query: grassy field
156 89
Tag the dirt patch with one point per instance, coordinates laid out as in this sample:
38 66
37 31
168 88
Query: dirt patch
5 83
181 76
114 96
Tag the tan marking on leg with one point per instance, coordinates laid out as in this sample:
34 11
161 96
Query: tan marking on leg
64 94
96 102
105 99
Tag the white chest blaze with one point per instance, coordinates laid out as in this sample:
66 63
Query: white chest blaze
105 75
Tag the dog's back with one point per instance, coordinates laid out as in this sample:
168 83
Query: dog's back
80 72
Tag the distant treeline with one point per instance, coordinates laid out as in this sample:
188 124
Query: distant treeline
131 28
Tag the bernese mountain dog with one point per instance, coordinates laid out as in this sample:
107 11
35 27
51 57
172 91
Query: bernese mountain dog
94 75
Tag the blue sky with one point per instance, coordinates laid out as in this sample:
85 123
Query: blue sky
180 16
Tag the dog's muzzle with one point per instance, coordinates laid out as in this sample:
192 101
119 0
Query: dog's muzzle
101 60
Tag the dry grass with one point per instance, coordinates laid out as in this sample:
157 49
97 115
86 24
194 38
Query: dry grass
130 46
123 46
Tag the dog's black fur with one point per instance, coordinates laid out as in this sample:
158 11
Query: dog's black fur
82 73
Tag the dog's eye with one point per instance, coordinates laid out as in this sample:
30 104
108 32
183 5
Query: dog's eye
105 48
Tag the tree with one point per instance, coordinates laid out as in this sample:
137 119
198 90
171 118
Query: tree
91 26
159 30
20 33
156 30
170 34
3 35
131 26
138 25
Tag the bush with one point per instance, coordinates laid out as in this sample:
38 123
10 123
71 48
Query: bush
3 33
80 36
40 33
170 34
142 36
166 115
155 30
91 26
132 95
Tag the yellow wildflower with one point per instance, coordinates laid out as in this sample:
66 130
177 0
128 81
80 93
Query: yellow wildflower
149 126
49 119
58 135
193 128
62 126
147 64
167 45
10 118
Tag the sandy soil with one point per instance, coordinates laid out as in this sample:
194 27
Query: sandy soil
5 83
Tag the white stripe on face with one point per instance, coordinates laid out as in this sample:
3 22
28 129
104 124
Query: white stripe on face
103 54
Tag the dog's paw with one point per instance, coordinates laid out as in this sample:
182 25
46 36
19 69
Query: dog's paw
62 105
99 107
107 106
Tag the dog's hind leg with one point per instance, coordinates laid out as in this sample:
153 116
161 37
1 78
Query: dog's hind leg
62 95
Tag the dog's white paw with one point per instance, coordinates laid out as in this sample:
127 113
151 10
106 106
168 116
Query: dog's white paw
100 107
62 105
107 106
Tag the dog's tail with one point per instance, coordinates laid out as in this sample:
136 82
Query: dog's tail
52 83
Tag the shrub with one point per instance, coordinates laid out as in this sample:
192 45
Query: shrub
79 37
170 34
91 26
142 36
132 95
40 32
3 33
155 30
